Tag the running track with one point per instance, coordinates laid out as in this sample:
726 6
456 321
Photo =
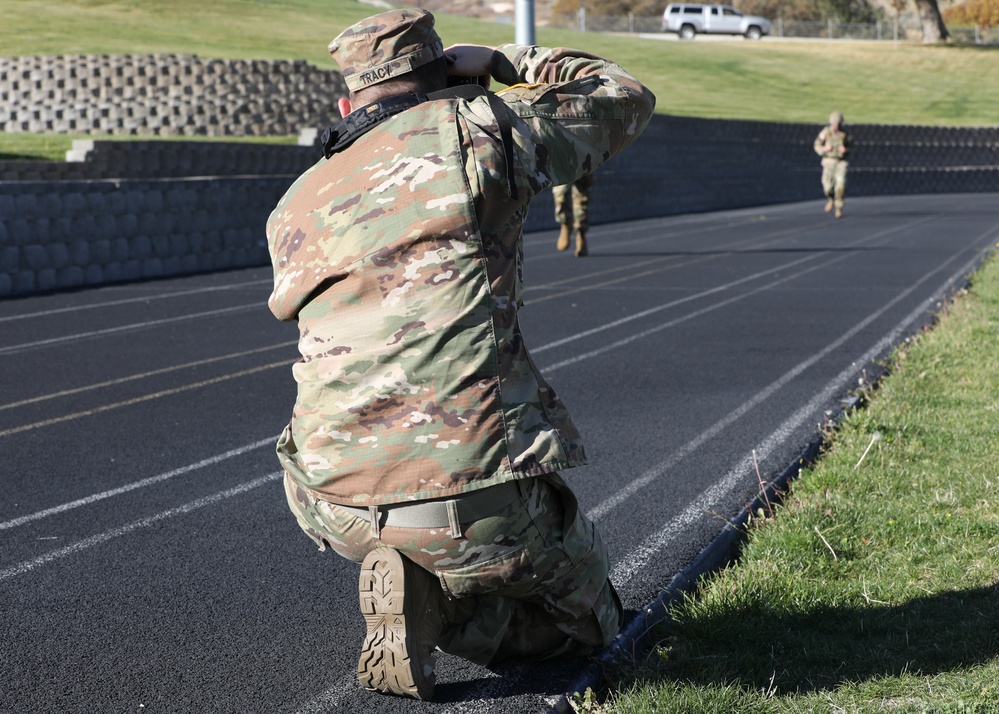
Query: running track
148 562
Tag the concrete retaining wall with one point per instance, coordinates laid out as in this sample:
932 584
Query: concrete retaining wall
133 214
64 235
684 164
166 95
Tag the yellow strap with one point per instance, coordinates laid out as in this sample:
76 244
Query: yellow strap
522 86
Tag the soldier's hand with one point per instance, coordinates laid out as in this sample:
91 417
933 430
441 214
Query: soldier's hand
468 60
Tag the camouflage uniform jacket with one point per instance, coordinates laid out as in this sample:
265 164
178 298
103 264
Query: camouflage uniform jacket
401 260
832 145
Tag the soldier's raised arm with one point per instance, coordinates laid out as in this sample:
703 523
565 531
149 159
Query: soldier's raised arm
582 107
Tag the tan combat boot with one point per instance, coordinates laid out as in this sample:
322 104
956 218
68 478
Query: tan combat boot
581 243
405 610
563 238
839 207
829 205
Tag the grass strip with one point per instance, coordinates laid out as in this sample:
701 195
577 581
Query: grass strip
875 588
53 147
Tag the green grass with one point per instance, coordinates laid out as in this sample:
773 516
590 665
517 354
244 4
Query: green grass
767 80
876 587
53 147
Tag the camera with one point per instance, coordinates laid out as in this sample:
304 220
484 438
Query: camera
455 81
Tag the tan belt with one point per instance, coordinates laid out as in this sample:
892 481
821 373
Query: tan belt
440 513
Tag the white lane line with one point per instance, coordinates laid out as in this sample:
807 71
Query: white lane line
152 480
127 301
668 224
628 567
619 243
331 698
123 328
622 494
711 291
645 479
144 375
601 509
144 398
210 461
634 337
29 565
733 247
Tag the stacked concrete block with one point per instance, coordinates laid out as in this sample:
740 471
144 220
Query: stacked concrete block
63 235
165 95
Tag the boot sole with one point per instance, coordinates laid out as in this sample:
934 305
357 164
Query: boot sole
386 664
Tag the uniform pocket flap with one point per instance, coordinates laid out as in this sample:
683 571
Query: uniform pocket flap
491 576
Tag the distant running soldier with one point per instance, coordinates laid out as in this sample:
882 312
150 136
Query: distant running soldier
424 443
572 211
833 145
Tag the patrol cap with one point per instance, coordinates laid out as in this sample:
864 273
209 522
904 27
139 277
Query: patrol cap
386 45
836 118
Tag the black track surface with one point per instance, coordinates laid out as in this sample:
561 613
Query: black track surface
148 561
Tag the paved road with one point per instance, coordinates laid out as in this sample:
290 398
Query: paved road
147 562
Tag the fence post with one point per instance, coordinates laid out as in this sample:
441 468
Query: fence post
780 27
978 35
829 22
896 30
582 17
879 29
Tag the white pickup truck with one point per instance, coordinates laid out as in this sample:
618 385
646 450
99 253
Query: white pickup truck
688 20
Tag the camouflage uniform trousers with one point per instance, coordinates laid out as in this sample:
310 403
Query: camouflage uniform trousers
834 179
572 202
529 582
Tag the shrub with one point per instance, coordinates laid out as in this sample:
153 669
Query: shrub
984 13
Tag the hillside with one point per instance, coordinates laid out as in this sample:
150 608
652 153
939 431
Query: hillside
801 81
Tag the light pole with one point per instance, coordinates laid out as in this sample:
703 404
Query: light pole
524 11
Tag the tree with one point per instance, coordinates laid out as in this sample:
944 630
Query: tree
934 29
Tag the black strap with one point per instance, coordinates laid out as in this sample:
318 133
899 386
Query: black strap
502 114
468 92
360 121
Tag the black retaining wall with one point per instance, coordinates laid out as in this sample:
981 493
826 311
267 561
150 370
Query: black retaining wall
150 209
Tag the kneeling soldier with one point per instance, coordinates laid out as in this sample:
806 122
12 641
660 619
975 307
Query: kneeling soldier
424 444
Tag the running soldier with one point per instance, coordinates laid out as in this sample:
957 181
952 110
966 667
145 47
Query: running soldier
572 210
833 145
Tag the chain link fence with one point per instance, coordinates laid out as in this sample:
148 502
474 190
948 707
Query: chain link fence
904 28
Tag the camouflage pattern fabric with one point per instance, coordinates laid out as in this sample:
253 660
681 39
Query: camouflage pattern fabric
401 261
833 145
385 46
530 580
572 202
